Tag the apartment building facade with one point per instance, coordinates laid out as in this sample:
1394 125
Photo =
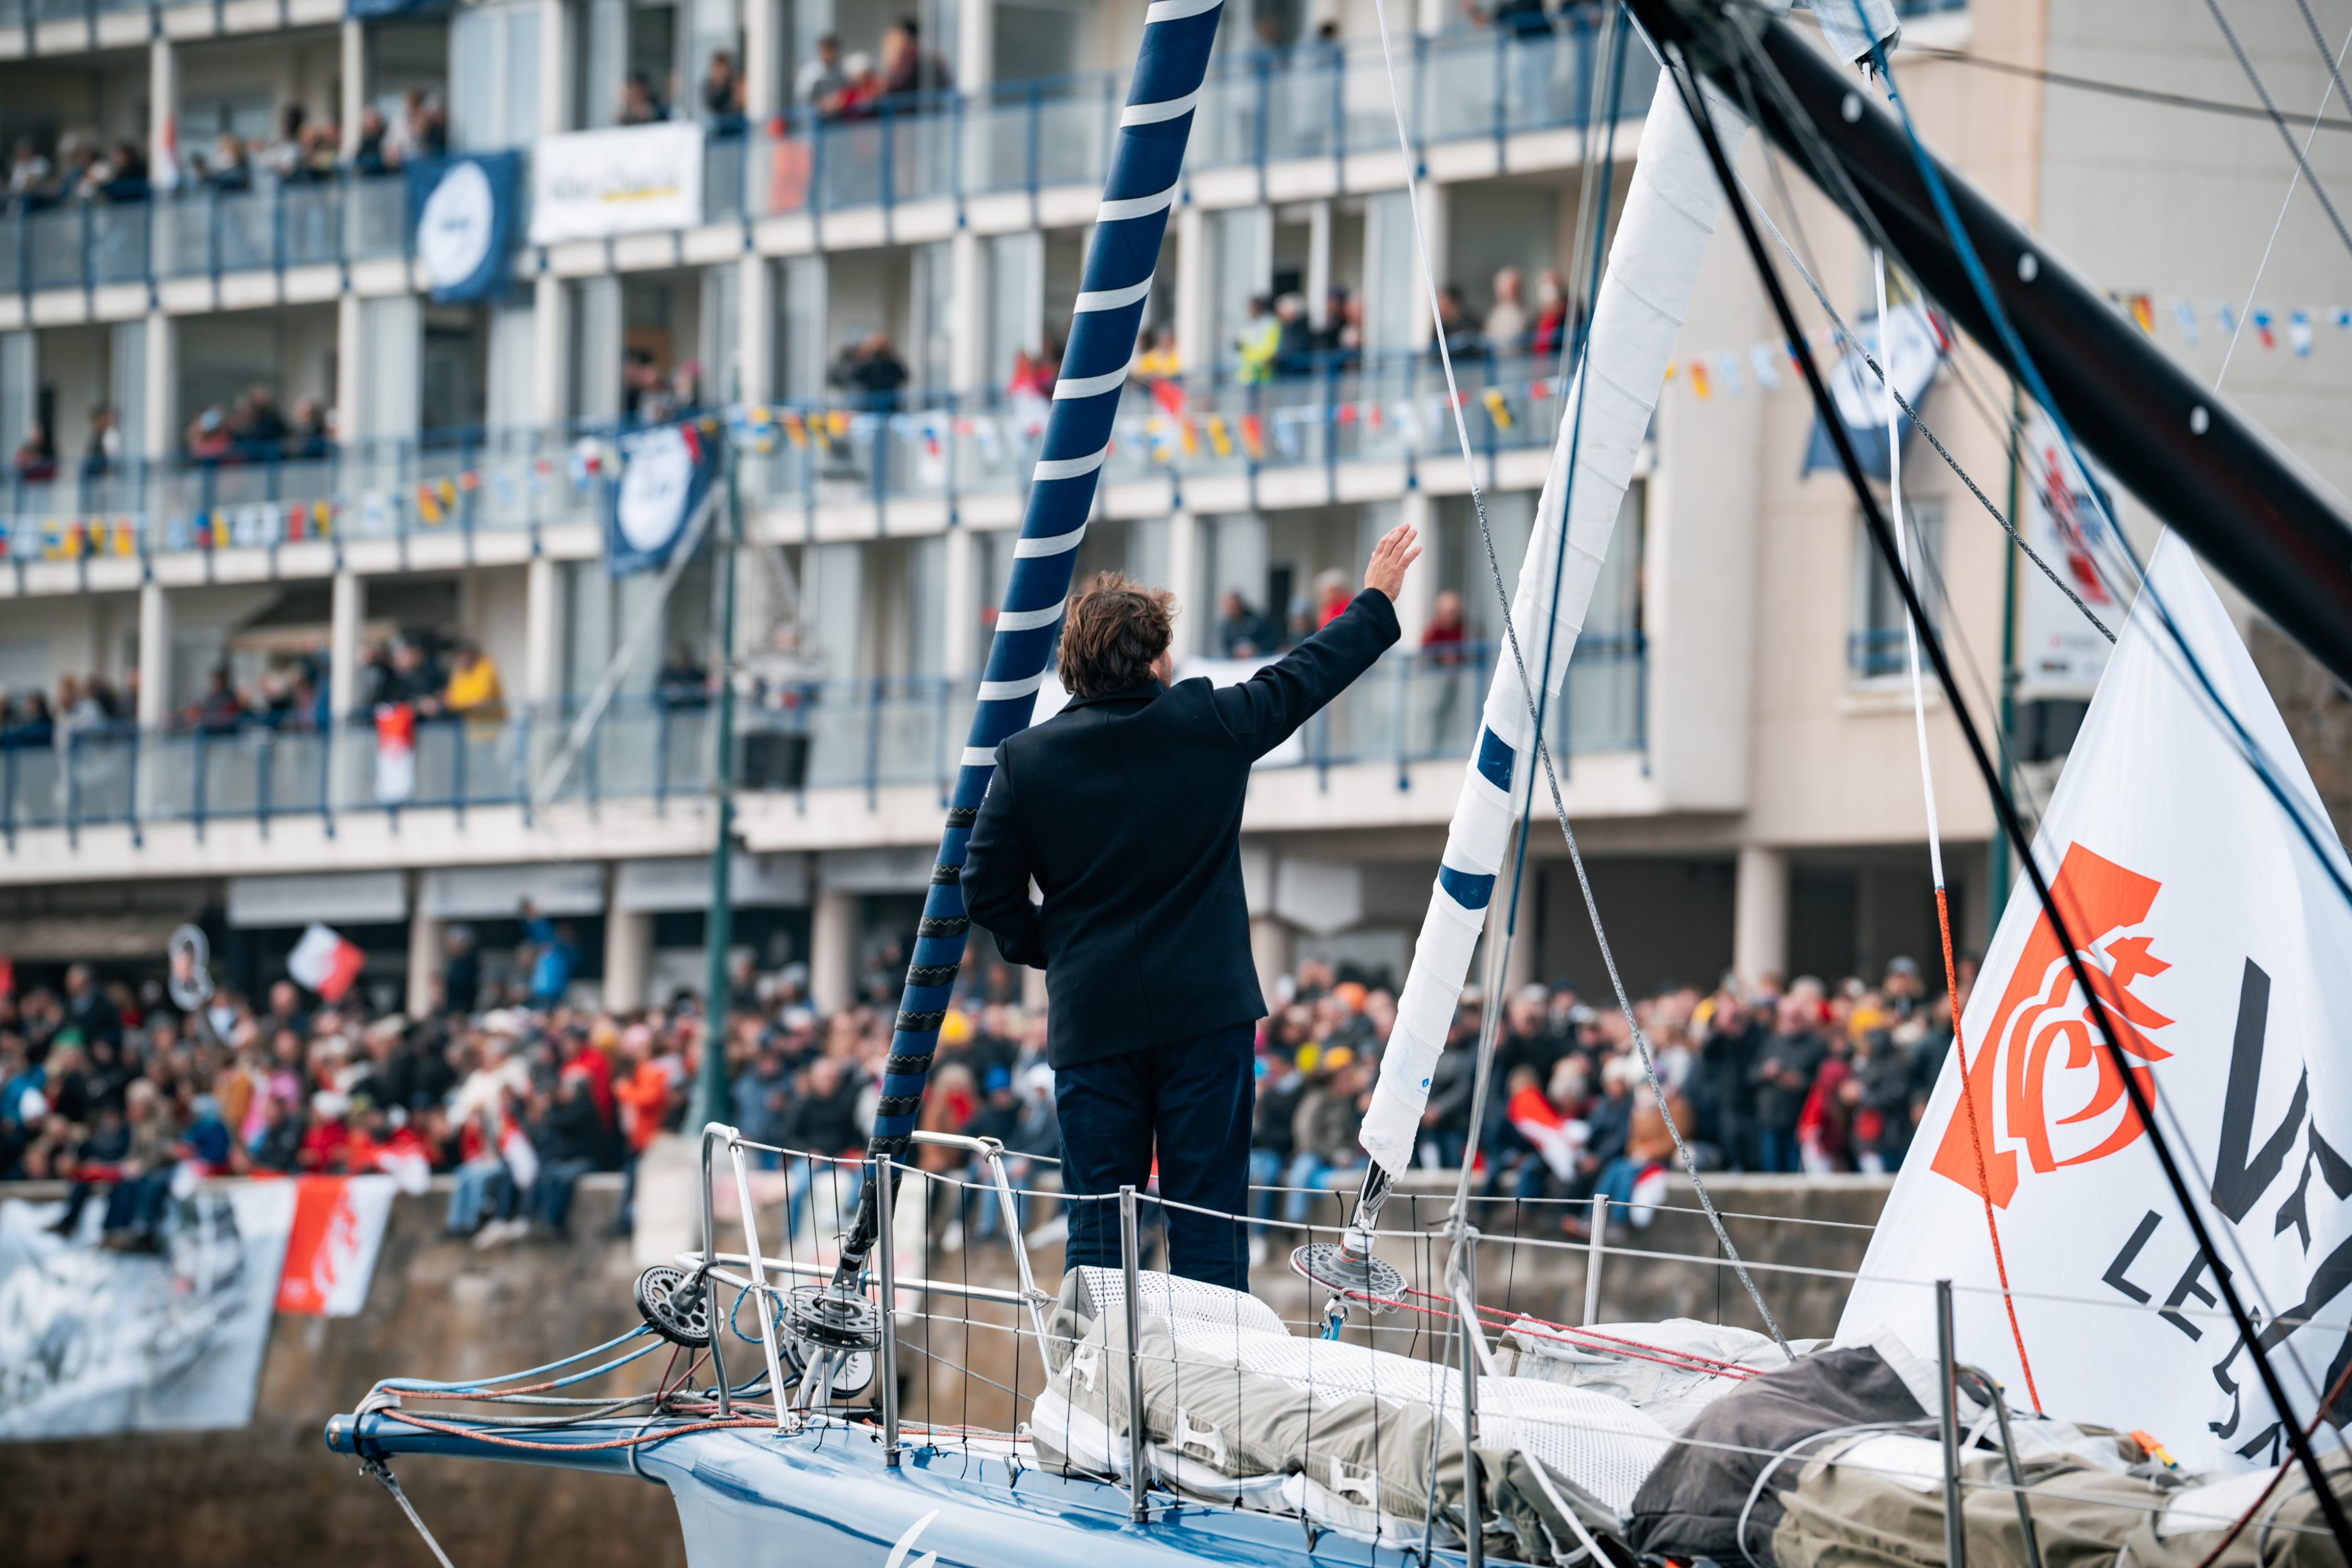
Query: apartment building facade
1736 747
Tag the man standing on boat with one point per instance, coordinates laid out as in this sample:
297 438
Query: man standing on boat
1125 809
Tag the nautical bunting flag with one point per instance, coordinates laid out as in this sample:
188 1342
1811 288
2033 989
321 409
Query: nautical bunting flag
325 961
2216 938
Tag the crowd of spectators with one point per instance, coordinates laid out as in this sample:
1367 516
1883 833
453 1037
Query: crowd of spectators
858 86
515 1089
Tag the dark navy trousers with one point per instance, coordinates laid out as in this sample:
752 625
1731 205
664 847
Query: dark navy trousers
1189 1100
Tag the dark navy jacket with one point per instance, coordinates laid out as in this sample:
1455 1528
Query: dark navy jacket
1127 810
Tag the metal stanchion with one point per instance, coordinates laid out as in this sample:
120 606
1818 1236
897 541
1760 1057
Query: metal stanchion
1128 1251
1596 1248
1956 1533
1474 1513
883 1193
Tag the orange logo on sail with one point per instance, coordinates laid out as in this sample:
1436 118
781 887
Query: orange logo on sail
2045 1025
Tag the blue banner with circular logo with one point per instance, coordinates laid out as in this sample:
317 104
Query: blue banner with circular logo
465 211
665 474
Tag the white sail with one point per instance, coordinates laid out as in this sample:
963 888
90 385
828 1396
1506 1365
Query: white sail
1670 213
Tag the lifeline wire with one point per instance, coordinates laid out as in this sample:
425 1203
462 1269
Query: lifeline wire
1543 752
2003 807
2335 84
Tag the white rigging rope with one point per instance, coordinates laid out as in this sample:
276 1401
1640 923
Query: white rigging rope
1683 206
2335 78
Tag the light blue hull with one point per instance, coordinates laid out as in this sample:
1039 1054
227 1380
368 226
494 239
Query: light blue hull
747 1498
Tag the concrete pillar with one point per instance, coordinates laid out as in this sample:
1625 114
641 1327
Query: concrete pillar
1759 919
960 618
355 85
155 432
551 348
764 61
347 609
542 631
424 962
975 64
1523 966
1434 206
833 949
1416 602
1192 274
351 369
1318 265
628 958
163 105
1270 951
968 305
154 655
1196 617
1429 16
755 329
556 46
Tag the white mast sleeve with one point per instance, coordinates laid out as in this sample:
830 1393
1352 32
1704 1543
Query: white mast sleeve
1670 213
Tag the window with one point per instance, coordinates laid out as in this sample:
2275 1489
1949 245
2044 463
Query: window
1875 647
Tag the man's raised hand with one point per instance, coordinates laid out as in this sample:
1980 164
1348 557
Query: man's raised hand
1399 548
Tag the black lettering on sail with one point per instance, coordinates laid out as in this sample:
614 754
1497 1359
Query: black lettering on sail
2237 1180
2117 1271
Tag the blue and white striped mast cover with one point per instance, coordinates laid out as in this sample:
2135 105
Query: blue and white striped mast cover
1146 168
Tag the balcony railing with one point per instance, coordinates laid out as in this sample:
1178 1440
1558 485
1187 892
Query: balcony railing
473 482
1311 100
861 735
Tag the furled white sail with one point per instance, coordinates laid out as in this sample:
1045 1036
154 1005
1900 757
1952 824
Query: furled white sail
1670 212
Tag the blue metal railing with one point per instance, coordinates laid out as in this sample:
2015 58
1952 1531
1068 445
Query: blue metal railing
853 734
1312 100
472 481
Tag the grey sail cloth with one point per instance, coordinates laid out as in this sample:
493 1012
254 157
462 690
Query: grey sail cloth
1354 1439
1693 1504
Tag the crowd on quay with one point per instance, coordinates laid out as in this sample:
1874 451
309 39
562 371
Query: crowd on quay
517 1092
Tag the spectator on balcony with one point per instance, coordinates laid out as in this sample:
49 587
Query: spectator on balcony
103 451
682 682
259 429
28 174
873 371
1331 596
1259 344
283 157
30 727
37 455
125 174
821 78
1294 345
1551 328
1455 325
722 96
1156 359
307 437
1242 632
1340 340
220 711
209 437
228 171
907 67
638 105
473 690
373 155
1444 636
81 176
1507 322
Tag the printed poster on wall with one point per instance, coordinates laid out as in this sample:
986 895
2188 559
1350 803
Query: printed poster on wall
94 1343
331 1251
2060 654
590 185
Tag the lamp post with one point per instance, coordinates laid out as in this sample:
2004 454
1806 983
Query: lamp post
712 1101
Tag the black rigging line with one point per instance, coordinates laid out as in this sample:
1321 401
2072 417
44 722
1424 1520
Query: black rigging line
2113 89
2003 807
2319 41
2279 120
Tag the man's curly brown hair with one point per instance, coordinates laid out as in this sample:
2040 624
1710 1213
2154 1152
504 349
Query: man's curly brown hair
1114 630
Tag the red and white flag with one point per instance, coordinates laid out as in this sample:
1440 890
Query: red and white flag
331 1254
2217 938
325 961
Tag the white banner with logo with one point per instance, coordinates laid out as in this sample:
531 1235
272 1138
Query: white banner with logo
592 183
2060 654
93 1342
2218 942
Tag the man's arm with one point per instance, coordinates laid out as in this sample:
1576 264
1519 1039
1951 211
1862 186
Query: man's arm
1264 710
996 877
